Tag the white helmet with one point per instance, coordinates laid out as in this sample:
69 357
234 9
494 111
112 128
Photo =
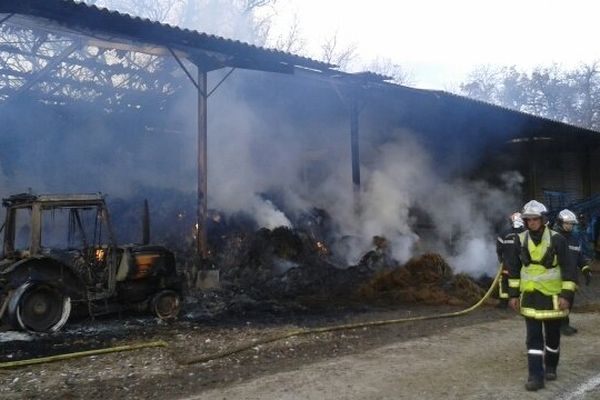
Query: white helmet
533 209
567 216
516 220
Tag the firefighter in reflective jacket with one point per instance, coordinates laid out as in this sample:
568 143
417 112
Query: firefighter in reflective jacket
565 222
505 250
541 286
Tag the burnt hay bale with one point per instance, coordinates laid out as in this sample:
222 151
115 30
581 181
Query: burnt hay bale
427 279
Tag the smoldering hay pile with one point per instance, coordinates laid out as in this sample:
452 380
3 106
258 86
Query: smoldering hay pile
426 279
291 264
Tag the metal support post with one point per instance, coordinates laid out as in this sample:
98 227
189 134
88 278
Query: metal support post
355 150
202 247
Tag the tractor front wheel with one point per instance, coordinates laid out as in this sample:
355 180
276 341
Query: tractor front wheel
166 304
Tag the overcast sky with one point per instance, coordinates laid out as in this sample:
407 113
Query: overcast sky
440 41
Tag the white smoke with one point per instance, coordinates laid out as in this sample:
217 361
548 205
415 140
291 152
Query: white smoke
462 213
267 215
251 154
282 266
398 176
476 255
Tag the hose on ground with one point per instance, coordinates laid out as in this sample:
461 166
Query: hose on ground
309 331
79 354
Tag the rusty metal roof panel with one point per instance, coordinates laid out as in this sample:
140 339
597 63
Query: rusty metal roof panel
92 19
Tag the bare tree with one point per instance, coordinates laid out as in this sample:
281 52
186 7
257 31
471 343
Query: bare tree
586 81
484 83
248 20
249 6
155 10
512 92
259 28
292 41
385 66
332 52
571 96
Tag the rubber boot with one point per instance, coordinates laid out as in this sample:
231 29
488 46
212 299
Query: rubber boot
551 361
568 330
534 384
550 374
535 381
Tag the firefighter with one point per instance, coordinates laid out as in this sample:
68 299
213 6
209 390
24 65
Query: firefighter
585 233
541 286
505 249
565 224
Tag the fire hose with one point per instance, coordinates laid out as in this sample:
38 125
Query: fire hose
79 354
247 346
333 328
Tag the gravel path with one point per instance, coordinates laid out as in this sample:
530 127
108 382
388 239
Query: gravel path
484 361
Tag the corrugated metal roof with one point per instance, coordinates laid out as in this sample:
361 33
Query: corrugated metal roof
92 19
510 110
443 95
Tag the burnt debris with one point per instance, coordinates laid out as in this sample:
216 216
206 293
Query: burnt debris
299 265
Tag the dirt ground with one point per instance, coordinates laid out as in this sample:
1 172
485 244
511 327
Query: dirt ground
477 356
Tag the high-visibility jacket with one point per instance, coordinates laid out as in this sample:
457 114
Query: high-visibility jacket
543 273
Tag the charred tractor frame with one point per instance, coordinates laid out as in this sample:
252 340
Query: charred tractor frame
60 258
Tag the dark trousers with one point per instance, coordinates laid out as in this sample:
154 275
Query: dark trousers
543 346
503 287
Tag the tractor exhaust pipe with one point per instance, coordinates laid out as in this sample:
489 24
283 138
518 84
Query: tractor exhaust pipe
146 224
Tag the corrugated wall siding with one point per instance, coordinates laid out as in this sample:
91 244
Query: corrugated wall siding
560 171
595 170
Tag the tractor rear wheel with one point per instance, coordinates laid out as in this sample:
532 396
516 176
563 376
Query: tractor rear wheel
39 307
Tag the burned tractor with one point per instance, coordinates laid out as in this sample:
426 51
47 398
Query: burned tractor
60 258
